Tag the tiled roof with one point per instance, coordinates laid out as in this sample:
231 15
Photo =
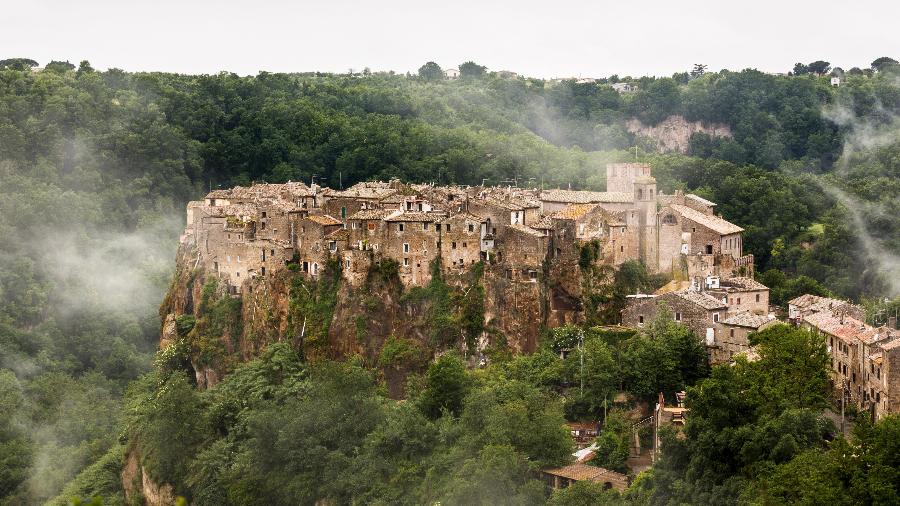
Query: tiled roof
585 197
709 221
511 205
324 219
545 223
745 283
845 328
582 472
411 216
573 211
701 299
698 198
372 214
748 319
807 300
891 345
365 193
525 230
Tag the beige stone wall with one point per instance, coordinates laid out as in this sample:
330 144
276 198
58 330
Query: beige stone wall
692 316
460 248
620 176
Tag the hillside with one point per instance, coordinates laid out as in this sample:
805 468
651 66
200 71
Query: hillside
96 169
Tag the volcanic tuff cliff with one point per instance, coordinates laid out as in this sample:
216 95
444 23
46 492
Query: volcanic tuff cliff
395 273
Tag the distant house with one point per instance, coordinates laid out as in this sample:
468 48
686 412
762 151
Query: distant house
624 87
835 81
563 477
452 73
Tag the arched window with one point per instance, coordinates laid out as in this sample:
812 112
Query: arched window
669 219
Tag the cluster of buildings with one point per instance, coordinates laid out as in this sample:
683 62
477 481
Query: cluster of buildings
248 232
865 360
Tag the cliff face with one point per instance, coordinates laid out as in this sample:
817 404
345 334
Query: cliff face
327 318
674 133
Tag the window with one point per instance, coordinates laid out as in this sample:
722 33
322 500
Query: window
228 258
424 225
622 249
263 225
216 266
272 252
371 225
731 332
406 247
532 275
494 230
464 245
471 227
709 249
348 263
263 214
453 245
239 259
343 212
406 262
716 317
447 227
400 227
263 270
677 316
640 319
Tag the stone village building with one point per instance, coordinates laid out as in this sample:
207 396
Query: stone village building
865 360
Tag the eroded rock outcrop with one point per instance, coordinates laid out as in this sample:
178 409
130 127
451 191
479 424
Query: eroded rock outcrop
674 133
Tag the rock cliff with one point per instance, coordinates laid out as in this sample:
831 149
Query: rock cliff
674 133
327 318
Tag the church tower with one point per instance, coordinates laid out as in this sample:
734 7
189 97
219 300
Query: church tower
645 203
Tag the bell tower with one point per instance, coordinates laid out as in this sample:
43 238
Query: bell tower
645 203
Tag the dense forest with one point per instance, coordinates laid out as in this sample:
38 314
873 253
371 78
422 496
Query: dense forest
95 170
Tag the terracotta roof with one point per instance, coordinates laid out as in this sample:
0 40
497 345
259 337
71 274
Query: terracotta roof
709 221
372 214
525 230
545 223
807 300
701 299
573 211
891 345
744 283
698 198
465 216
510 205
845 328
584 472
365 193
410 216
324 219
748 319
585 197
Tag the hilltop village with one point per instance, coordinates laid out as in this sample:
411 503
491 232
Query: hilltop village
531 246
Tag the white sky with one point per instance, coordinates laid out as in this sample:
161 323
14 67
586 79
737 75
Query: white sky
565 38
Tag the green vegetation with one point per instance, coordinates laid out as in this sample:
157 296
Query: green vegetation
95 169
312 305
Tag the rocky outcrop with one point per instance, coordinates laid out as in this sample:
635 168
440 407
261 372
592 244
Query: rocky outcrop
674 133
140 488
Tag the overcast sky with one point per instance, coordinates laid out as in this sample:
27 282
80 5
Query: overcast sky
543 38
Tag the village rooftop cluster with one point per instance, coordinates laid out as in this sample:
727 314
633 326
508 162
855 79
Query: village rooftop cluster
523 235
